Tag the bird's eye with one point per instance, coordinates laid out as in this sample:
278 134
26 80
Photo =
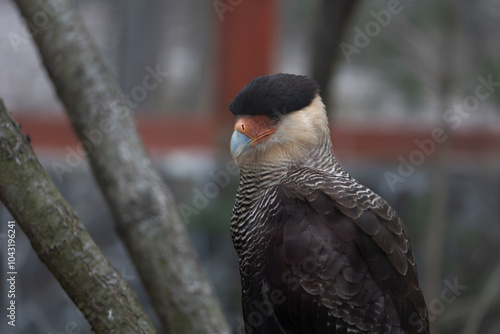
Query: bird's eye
274 117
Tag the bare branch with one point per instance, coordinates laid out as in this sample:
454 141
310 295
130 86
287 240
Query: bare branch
61 241
489 295
326 38
144 211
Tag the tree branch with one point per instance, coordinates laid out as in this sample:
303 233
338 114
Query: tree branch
331 22
143 208
61 241
487 297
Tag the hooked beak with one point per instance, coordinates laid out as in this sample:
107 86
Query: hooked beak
239 144
250 131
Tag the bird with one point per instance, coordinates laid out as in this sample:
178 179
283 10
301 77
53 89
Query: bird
318 252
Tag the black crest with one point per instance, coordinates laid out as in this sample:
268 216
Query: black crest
269 94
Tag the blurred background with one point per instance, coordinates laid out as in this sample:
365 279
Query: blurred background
412 89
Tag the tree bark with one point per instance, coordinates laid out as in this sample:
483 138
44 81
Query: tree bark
486 299
437 227
145 214
61 241
331 23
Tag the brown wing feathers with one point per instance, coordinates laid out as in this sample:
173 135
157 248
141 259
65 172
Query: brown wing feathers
337 244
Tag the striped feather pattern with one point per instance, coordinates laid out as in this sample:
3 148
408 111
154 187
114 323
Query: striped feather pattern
320 253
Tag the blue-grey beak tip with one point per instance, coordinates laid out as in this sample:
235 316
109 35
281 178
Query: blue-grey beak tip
239 144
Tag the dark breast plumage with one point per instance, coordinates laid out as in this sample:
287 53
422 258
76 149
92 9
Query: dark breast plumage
320 253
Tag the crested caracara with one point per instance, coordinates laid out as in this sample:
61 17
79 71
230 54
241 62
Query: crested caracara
318 252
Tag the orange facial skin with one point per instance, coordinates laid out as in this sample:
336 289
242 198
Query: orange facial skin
257 128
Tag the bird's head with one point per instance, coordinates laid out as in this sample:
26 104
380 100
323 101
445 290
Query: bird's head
278 117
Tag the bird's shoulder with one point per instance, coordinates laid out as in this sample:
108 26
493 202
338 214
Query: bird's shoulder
338 189
321 197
